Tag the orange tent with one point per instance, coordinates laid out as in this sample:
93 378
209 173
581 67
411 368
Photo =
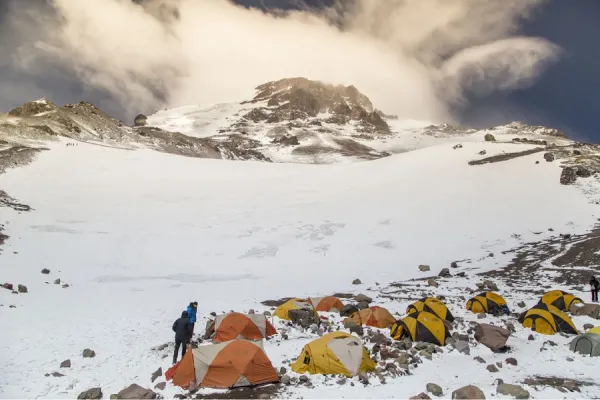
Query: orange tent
225 365
326 304
375 316
234 325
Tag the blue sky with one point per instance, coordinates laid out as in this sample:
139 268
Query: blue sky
565 96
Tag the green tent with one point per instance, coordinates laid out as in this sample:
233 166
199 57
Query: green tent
588 344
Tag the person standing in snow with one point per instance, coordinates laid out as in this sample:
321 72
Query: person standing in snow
192 310
183 333
595 287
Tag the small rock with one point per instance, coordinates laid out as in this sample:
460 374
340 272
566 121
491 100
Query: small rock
12 306
267 313
160 386
116 397
22 289
479 360
510 326
469 392
511 361
570 359
342 380
549 157
95 393
512 390
363 378
8 286
489 137
57 281
432 282
424 268
136 392
421 346
461 274
531 337
426 354
65 364
66 285
356 282
420 396
46 271
285 379
462 347
303 378
499 364
404 344
56 374
587 327
492 368
386 353
403 359
87 353
434 389
348 309
481 315
482 153
361 297
251 312
521 304
284 336
282 371
156 374
453 264
445 273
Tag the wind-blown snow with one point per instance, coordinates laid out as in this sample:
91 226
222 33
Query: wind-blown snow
140 234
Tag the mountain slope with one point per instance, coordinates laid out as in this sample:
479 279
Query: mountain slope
139 234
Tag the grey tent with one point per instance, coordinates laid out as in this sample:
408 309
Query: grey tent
588 344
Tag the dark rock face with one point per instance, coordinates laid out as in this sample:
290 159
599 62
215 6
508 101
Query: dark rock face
33 108
568 176
91 394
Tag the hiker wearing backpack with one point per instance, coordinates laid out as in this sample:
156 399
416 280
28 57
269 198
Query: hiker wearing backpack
183 333
192 310
595 287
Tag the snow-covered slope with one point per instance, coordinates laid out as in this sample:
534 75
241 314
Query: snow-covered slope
137 235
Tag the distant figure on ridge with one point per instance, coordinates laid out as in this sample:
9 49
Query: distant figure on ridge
183 332
192 310
595 287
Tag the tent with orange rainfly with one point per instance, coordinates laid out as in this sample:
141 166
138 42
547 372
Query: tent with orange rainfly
235 325
326 304
375 316
225 365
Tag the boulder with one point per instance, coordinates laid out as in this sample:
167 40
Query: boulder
8 286
549 157
531 337
403 359
362 305
156 374
521 304
348 309
160 386
140 120
469 392
490 285
481 315
22 289
445 273
357 329
87 353
357 282
492 337
404 344
282 370
136 392
420 396
94 393
303 378
510 326
587 327
492 368
489 137
432 282
285 379
512 390
479 359
46 271
361 297
341 380
434 389
583 172
65 364
387 353
424 268
303 318
57 281
511 361
568 176
461 274
588 310
267 313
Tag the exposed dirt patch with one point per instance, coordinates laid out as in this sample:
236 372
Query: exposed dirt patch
13 155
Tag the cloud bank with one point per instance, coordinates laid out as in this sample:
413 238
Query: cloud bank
414 58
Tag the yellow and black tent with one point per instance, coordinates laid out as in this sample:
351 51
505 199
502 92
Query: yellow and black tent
547 320
486 302
431 305
292 304
559 299
336 353
421 327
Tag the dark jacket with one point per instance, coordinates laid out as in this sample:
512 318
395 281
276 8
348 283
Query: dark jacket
594 283
182 327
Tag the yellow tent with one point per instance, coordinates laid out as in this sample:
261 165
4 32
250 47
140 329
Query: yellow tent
486 302
336 353
293 304
431 305
559 299
421 327
547 320
595 330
